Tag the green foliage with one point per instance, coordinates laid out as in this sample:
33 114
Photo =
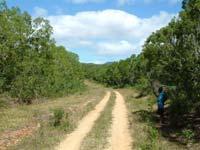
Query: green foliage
188 134
170 56
57 117
129 72
60 119
31 65
152 139
173 58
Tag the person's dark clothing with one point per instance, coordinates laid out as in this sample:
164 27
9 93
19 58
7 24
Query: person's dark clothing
160 101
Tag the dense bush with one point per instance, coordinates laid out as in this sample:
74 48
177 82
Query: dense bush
31 65
173 57
129 72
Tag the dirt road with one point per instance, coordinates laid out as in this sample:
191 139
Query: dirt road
73 140
121 138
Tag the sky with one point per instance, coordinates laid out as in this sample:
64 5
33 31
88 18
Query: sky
102 31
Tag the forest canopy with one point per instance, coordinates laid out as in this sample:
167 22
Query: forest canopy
31 65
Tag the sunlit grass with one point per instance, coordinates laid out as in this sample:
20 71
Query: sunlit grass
46 137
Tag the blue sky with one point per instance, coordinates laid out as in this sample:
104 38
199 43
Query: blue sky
102 30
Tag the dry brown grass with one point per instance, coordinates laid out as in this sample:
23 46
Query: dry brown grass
76 106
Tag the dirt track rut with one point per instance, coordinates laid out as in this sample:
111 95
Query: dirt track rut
120 138
73 140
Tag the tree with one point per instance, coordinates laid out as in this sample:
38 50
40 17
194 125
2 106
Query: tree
173 57
31 65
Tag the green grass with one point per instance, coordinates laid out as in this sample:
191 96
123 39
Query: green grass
97 139
143 129
47 136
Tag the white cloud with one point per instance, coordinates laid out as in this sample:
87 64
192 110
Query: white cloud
121 48
107 24
84 1
107 32
40 12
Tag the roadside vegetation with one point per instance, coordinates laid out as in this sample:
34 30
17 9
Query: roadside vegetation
31 65
146 130
44 124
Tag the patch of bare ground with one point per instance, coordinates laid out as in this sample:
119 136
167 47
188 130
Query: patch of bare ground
120 134
14 137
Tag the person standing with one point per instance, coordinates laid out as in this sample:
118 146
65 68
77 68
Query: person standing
162 97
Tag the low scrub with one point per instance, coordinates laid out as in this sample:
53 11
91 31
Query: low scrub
59 118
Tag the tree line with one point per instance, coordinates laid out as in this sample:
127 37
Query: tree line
170 55
31 65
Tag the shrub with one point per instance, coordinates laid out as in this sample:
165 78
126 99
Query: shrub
58 115
187 134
